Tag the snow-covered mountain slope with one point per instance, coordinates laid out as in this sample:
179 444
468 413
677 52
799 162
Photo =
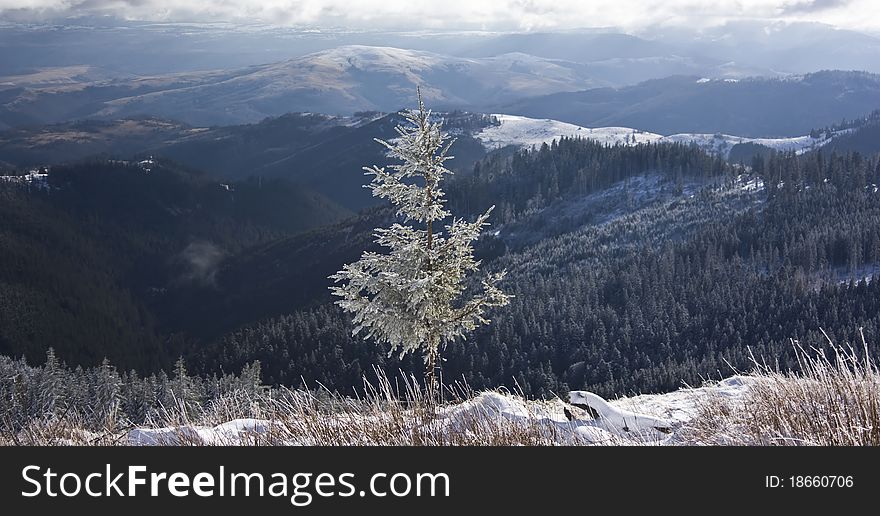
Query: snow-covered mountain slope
656 419
527 132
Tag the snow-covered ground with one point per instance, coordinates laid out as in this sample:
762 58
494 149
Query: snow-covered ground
749 183
527 132
656 419
646 419
237 431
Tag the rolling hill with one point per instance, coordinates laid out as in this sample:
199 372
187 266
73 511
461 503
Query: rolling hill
527 132
320 152
341 80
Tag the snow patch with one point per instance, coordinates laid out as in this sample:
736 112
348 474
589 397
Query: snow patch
38 178
749 183
237 431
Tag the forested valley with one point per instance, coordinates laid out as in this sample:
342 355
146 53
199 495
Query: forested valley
634 269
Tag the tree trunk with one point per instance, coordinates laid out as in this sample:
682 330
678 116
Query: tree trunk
430 228
431 362
431 383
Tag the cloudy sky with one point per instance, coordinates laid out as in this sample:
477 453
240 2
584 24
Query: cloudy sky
461 14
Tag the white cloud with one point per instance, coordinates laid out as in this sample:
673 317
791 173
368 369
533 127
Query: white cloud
463 14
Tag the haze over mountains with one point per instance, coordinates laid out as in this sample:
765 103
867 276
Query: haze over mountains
218 75
338 81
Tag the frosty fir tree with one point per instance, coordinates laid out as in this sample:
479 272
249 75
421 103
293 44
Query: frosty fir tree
414 297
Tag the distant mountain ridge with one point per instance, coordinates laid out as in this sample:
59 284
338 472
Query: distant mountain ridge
350 79
342 80
756 107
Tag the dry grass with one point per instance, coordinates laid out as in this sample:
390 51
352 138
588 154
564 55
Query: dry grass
391 413
834 400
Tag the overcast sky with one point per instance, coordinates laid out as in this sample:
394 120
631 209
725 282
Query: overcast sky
500 15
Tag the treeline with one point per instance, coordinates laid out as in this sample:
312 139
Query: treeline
103 396
871 119
788 176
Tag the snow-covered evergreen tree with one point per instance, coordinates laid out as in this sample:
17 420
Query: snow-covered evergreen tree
415 296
